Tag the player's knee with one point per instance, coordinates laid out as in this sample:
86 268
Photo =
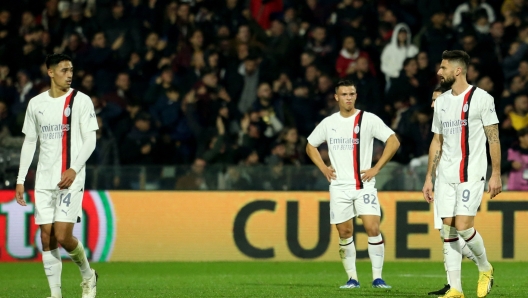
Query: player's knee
449 232
372 230
62 237
344 232
462 226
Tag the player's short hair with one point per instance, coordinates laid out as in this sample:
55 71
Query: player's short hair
344 83
522 132
55 59
457 56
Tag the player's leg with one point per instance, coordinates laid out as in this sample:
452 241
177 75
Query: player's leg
368 208
466 252
69 206
438 225
469 195
347 252
452 256
51 259
376 249
446 287
341 214
445 197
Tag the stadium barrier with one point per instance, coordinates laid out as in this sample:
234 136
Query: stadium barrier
252 226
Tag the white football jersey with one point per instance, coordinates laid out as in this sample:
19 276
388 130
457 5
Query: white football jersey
350 144
461 120
59 123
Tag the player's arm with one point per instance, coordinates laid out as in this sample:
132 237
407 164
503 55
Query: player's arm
316 158
383 133
435 152
26 156
88 146
391 146
29 146
492 134
88 124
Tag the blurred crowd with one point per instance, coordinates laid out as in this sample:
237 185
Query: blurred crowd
244 82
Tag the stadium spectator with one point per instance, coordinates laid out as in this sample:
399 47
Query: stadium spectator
367 86
140 143
346 63
221 51
436 36
464 13
516 53
319 42
407 84
395 53
302 108
195 179
121 94
518 116
108 111
518 159
24 92
294 146
105 160
270 109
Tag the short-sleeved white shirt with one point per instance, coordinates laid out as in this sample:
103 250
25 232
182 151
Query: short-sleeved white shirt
350 145
59 124
461 120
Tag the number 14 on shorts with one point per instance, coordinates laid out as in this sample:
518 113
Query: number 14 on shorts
65 199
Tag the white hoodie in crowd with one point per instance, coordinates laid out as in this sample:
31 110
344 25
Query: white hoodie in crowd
393 55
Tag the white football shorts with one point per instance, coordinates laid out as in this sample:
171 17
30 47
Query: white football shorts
347 204
58 205
454 199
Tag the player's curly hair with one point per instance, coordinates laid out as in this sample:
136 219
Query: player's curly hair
55 58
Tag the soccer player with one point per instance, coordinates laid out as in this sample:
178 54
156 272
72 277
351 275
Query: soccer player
350 135
438 221
64 122
464 117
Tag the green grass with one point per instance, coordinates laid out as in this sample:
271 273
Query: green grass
254 279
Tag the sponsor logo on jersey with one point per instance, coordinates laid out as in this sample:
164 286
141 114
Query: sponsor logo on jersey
353 141
342 143
452 127
53 131
54 127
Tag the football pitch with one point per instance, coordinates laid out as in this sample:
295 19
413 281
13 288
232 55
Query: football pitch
255 279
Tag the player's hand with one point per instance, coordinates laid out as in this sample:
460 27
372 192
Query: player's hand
516 165
67 179
427 191
494 186
329 173
367 175
19 195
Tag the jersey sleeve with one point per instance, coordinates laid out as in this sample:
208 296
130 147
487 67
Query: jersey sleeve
318 135
30 123
487 111
436 127
87 119
380 130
